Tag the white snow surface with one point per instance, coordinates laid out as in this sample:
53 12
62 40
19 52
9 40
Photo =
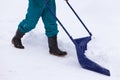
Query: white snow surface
102 17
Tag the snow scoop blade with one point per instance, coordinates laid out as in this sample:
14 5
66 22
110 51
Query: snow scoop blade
81 46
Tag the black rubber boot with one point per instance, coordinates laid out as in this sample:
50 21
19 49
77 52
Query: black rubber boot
53 47
16 41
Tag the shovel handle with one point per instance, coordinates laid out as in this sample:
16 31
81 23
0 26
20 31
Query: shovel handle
78 17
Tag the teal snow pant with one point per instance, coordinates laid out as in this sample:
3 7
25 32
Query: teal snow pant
37 9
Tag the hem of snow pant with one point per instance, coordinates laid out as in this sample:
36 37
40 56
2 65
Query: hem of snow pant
24 28
51 34
21 30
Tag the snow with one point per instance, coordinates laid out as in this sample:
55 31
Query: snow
35 63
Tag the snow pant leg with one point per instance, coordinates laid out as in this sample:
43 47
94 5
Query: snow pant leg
34 11
49 20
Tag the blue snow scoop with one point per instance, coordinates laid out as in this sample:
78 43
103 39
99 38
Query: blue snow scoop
81 45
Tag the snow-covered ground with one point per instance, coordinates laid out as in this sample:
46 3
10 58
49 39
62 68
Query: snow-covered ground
35 63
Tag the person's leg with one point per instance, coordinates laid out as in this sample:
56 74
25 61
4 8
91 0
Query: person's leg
49 20
51 29
35 8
